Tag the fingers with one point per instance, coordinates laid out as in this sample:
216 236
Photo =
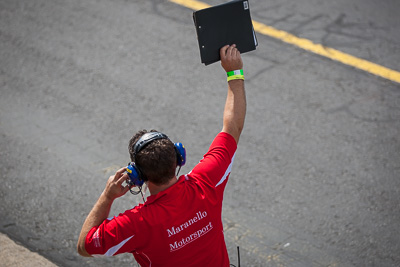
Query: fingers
123 178
119 177
232 51
222 52
229 52
124 188
114 187
231 58
120 172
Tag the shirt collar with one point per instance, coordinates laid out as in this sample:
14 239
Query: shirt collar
153 198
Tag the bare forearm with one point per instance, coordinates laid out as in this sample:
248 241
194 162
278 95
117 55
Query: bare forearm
235 109
97 215
101 209
235 105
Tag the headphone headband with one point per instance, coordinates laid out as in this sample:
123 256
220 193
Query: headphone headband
135 174
146 139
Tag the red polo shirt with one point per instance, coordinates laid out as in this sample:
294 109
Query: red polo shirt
180 226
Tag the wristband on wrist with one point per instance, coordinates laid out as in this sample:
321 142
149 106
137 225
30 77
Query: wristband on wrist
235 75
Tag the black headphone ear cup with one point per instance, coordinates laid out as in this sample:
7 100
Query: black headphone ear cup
180 154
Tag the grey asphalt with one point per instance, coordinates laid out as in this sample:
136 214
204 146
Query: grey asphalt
316 176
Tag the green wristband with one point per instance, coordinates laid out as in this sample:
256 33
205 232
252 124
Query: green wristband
234 72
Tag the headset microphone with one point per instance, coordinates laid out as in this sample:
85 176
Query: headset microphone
134 180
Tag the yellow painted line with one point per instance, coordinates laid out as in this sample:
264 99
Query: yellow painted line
308 45
192 4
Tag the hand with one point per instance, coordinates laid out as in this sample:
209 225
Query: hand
114 188
230 58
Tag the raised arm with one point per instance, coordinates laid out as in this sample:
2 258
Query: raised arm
235 105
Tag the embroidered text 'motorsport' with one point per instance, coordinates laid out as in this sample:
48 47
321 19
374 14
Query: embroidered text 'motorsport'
186 240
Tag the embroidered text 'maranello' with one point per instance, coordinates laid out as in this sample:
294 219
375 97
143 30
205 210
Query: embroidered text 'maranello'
174 230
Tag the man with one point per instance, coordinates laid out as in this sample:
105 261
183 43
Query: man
180 222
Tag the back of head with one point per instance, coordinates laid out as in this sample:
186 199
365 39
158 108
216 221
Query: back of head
157 160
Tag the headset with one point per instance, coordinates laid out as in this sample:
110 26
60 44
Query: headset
136 177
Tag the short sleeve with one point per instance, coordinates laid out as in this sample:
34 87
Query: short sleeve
216 165
113 236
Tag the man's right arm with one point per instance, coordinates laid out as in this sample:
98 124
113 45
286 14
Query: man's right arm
235 105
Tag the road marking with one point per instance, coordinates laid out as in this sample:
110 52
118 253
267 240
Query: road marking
308 45
192 4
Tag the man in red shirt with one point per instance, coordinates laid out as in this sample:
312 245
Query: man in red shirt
180 222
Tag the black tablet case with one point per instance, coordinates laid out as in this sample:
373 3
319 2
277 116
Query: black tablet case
228 23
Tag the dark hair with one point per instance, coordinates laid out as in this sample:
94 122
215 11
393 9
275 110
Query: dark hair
157 160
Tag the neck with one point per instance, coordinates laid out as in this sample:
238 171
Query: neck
155 189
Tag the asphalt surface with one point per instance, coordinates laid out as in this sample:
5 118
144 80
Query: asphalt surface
316 176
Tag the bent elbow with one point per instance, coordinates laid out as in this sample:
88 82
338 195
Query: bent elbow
82 251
